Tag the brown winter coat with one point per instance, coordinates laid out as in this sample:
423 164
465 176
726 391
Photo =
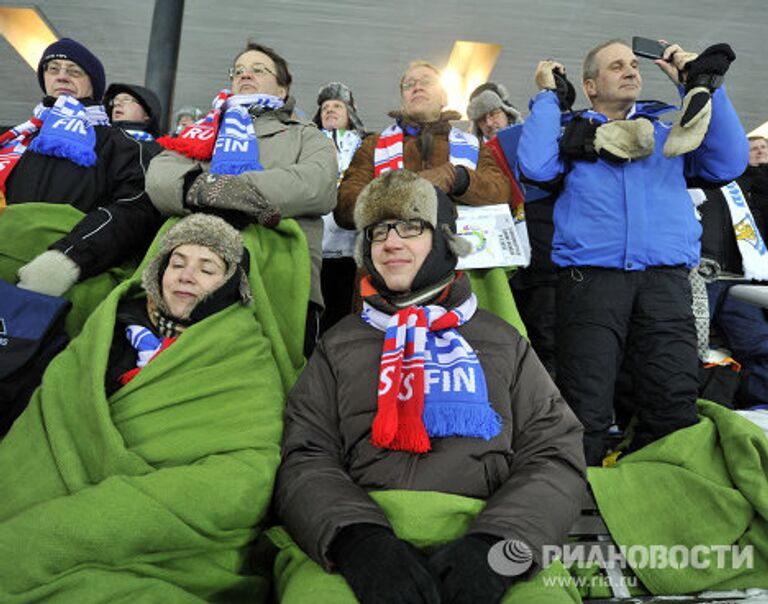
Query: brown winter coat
531 474
487 184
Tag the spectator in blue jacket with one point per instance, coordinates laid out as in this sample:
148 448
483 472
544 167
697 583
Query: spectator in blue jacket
625 230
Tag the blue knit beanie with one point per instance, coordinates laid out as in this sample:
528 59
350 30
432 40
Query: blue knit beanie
68 49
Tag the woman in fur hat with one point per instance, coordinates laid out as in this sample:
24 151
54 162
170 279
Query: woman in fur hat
337 118
143 467
423 431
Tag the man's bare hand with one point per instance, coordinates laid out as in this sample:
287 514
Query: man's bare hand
545 80
673 62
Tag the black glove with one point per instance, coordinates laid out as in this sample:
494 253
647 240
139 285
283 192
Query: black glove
566 93
578 139
382 569
465 576
227 195
709 68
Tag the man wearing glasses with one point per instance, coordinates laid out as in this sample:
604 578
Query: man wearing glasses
65 158
251 159
423 140
410 410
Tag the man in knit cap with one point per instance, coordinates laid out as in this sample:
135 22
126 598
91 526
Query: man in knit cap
67 154
424 394
490 110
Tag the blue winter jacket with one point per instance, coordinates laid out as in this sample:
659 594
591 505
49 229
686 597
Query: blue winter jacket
636 214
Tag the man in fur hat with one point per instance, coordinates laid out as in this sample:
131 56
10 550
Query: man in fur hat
422 398
625 232
68 154
422 140
490 109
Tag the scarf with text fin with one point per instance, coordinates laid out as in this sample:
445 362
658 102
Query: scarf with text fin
66 131
431 383
225 135
463 150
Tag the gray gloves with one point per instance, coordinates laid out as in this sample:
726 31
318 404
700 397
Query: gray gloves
692 123
232 198
622 140
51 273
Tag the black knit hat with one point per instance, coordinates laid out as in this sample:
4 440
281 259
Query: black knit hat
69 49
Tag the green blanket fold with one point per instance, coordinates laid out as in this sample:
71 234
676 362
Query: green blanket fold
154 494
423 518
28 229
706 485
491 287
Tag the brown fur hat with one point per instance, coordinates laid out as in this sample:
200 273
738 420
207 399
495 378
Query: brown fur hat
406 195
201 229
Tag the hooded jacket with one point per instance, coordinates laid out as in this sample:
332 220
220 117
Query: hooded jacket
531 474
146 97
487 183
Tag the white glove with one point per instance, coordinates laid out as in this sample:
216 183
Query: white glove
691 124
51 273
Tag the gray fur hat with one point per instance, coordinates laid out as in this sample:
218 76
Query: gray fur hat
406 195
487 97
339 92
202 229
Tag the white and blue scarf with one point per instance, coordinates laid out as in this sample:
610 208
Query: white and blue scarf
237 149
754 256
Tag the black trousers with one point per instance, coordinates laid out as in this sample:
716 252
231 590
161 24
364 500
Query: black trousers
602 311
537 307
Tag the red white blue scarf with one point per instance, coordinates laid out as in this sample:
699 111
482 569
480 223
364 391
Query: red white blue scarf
65 130
431 383
147 346
225 135
463 150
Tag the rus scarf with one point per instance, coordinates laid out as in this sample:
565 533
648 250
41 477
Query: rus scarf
147 346
463 150
65 131
226 135
431 383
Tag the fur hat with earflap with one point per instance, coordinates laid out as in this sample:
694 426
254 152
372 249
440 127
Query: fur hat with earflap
337 91
487 97
404 195
220 237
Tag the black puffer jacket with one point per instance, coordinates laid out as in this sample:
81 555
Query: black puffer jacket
111 191
531 474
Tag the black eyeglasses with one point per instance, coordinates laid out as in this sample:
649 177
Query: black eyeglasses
406 229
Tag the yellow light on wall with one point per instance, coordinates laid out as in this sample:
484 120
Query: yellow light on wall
469 66
27 31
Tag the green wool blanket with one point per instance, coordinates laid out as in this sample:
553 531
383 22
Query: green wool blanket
701 490
28 229
426 519
154 494
491 286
